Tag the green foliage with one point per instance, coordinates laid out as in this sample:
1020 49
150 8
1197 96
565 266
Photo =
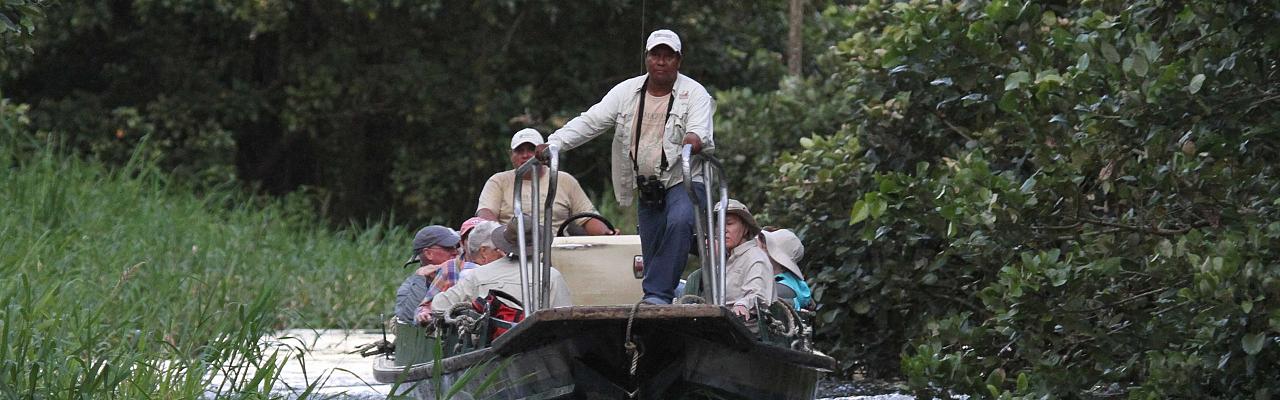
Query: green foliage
18 20
754 127
1026 200
373 108
121 283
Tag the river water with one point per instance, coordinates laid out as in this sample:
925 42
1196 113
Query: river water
323 356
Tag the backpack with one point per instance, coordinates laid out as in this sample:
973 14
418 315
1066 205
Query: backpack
504 312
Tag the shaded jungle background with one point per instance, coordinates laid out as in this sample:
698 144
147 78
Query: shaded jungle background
1000 198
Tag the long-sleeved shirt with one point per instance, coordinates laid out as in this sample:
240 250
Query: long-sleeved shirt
504 275
692 109
416 288
748 276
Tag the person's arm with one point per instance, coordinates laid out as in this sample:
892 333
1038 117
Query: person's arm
596 228
459 293
409 292
490 202
429 271
700 131
424 313
591 123
758 286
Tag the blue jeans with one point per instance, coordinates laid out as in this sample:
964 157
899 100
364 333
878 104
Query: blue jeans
665 238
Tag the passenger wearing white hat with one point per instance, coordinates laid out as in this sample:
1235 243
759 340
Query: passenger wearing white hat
652 116
496 201
785 251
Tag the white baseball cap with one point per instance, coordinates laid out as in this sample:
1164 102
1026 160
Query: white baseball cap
526 135
663 36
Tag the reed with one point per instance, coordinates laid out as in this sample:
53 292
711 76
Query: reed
119 283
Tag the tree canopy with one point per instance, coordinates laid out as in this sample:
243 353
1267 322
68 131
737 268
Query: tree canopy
376 107
1039 198
999 198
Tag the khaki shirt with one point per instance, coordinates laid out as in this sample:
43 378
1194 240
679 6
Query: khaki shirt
691 112
748 276
504 275
498 196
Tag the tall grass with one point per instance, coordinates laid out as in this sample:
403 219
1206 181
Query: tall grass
118 283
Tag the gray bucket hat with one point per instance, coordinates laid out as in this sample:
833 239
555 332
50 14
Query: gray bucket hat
737 208
785 249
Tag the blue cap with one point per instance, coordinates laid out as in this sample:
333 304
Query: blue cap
434 235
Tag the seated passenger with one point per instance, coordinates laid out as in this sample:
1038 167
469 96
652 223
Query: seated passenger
447 273
501 274
748 274
432 247
785 250
479 251
496 198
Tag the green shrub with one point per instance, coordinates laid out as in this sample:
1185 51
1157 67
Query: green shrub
1031 199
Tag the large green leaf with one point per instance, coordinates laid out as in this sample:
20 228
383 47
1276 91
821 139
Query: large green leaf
1196 82
1016 79
1252 343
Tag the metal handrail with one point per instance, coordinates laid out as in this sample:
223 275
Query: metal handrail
711 252
535 279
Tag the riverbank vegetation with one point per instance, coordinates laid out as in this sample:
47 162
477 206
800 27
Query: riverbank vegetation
1024 199
1000 198
122 283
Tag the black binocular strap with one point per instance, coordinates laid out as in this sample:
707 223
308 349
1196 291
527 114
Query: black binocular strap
635 146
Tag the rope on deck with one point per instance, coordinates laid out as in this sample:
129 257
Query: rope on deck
633 351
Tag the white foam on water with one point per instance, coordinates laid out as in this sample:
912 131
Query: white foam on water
322 357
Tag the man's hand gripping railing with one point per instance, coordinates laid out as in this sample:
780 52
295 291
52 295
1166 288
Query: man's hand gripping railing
709 227
535 283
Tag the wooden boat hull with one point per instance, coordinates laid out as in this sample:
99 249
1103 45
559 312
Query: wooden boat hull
697 351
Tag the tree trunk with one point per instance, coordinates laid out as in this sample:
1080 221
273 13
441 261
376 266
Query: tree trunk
795 36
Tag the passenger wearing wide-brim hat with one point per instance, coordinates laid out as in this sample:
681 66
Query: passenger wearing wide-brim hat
748 272
785 251
506 237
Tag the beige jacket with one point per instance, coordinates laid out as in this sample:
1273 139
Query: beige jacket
748 276
691 111
504 275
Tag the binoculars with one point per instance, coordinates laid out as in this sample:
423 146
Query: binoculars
653 193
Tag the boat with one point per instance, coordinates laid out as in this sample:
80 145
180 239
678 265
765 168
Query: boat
605 346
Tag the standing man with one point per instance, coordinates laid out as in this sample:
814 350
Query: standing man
652 116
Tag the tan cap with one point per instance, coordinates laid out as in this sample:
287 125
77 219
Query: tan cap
785 249
739 209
